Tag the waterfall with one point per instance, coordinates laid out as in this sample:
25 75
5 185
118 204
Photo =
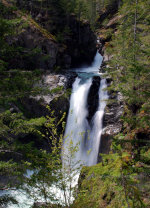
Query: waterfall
78 130
77 124
97 125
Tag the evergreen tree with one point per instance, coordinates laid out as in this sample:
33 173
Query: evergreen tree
122 178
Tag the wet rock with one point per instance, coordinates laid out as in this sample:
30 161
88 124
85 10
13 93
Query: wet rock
109 81
113 111
112 124
45 205
70 79
93 97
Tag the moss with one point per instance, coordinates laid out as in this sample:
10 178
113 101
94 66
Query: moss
42 30
57 90
91 195
29 20
57 69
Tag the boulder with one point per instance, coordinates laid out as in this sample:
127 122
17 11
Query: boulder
93 97
112 124
56 84
45 205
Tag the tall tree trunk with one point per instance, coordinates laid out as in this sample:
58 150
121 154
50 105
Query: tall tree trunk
135 29
79 15
93 12
102 3
119 3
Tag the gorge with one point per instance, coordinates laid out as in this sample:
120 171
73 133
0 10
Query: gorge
74 104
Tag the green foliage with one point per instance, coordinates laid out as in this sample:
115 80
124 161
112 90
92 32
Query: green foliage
112 183
48 172
122 178
60 37
15 83
117 180
50 176
5 200
57 90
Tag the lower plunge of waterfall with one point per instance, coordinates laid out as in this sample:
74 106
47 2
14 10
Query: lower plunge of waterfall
79 132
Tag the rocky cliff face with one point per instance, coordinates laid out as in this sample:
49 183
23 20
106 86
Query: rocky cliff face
112 124
49 40
74 40
93 97
57 98
39 52
82 42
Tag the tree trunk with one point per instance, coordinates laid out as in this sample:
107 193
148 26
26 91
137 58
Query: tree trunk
135 29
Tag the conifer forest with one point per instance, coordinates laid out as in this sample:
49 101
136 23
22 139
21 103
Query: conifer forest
74 103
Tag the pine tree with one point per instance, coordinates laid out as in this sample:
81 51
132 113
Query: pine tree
122 178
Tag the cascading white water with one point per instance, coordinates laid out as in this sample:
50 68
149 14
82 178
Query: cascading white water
97 125
77 128
77 123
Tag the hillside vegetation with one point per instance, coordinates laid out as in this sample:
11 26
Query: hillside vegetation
38 37
122 179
